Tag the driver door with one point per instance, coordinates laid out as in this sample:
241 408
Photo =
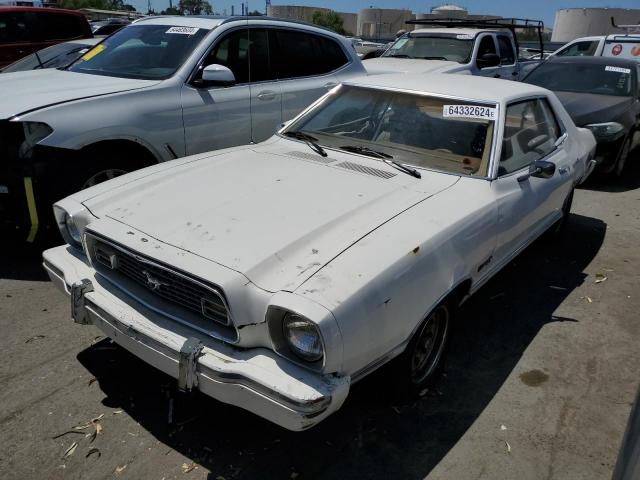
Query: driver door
528 205
217 116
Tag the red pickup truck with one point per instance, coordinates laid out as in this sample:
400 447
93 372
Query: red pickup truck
24 30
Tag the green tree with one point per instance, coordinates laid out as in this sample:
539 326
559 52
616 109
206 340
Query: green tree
255 13
195 7
330 20
171 11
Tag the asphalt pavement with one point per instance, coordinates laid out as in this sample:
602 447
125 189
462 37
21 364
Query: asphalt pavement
539 382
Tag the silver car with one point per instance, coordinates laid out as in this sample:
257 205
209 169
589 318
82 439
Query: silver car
159 89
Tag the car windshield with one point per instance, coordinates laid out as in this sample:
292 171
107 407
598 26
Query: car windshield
150 52
447 135
440 46
59 55
600 79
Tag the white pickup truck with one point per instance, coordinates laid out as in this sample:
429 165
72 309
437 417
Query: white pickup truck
614 45
487 48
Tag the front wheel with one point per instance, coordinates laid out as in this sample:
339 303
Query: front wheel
422 361
622 157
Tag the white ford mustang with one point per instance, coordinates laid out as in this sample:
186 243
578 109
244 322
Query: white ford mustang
272 276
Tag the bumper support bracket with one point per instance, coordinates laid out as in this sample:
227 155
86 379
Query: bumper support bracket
188 361
78 310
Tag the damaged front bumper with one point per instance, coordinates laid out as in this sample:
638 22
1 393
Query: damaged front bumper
255 379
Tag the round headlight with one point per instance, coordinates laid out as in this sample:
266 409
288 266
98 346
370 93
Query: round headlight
303 337
72 229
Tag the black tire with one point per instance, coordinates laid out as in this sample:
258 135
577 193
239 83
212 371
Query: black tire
623 156
100 166
421 364
557 229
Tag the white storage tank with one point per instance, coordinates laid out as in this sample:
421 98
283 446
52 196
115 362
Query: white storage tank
572 23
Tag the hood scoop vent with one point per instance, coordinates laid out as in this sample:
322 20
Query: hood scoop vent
314 157
366 170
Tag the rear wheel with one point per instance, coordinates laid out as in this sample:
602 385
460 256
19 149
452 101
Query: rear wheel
556 230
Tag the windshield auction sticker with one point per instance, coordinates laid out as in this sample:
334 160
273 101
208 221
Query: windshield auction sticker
469 111
183 30
93 52
617 69
464 36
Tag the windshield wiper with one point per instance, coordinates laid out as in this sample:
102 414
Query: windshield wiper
384 156
362 150
309 140
434 58
399 55
411 171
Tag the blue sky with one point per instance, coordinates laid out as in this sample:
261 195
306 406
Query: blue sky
543 9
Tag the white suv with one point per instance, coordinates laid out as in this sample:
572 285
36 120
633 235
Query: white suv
161 88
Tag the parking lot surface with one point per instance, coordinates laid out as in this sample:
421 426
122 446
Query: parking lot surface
538 385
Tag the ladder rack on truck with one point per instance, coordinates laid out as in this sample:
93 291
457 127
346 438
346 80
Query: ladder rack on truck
510 24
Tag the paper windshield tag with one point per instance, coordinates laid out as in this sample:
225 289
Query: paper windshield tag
93 52
617 69
183 30
464 36
469 111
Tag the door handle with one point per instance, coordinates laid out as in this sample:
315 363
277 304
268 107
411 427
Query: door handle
267 95
515 74
497 75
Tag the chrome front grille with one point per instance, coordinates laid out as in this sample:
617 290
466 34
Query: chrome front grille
170 285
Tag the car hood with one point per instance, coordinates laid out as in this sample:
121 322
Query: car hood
586 108
380 65
275 215
22 92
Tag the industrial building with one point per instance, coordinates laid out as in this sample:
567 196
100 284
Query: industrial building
377 24
572 23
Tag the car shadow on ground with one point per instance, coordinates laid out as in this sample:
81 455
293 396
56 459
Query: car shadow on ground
629 180
374 435
21 262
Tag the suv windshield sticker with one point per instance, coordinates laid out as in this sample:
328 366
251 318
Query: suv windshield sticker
183 30
465 36
468 111
93 52
617 69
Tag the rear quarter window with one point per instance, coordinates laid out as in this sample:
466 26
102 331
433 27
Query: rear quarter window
15 27
303 54
58 26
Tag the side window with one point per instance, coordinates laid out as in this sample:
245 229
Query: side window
54 26
487 45
232 52
259 55
302 54
332 56
579 49
530 133
507 55
14 28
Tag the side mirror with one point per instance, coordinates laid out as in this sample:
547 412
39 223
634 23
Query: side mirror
488 60
539 169
217 75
